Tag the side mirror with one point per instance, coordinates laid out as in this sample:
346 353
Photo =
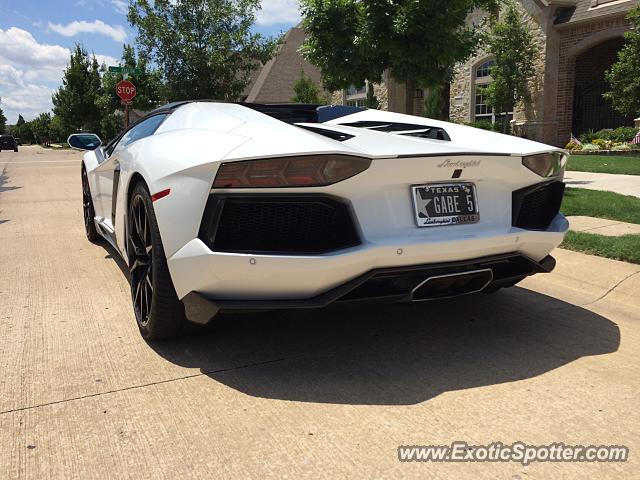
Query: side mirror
84 141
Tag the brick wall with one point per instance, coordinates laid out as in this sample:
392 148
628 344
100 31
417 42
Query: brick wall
571 40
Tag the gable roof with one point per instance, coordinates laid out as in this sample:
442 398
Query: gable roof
274 83
593 10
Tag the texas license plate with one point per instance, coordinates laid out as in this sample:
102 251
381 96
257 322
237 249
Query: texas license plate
439 204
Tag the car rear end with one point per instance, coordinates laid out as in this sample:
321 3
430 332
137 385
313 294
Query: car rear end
388 218
7 142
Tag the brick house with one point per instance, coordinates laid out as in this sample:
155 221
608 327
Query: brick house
273 83
578 41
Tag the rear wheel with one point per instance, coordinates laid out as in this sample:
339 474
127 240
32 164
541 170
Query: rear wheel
158 311
87 210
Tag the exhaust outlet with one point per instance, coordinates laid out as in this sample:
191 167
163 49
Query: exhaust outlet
452 285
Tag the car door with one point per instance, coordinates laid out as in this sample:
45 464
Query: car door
108 172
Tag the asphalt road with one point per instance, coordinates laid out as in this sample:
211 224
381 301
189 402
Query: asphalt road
331 394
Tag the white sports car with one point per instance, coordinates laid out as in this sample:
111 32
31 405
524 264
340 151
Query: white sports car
224 207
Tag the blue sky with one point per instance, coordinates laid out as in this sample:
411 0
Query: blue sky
36 36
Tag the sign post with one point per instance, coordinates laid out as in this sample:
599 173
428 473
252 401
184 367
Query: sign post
126 91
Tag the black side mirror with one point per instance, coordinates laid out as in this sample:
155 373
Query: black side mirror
84 141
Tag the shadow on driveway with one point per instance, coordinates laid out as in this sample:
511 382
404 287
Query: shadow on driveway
397 354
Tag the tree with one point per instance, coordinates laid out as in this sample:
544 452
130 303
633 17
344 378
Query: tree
371 101
306 91
40 128
75 101
3 120
512 44
624 75
149 92
419 41
57 132
436 103
204 48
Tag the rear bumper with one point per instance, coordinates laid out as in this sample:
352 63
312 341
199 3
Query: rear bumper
396 284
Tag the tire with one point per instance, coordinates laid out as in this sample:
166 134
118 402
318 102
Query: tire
88 211
158 311
15 150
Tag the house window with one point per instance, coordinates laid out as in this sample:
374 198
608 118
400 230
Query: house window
483 70
481 80
357 102
483 111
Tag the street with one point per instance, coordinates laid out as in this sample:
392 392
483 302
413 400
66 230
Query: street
327 394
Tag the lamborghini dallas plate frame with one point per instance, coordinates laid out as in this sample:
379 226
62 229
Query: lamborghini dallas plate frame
441 204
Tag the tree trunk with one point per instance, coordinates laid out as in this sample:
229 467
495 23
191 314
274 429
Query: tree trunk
410 92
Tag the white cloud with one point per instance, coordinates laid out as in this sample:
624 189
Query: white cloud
116 32
30 72
278 11
121 6
19 46
107 60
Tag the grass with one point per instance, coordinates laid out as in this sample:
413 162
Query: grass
609 205
604 164
596 203
625 248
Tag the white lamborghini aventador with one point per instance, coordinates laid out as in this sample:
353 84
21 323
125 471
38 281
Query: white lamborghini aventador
223 206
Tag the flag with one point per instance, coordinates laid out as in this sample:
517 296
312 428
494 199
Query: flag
574 140
636 139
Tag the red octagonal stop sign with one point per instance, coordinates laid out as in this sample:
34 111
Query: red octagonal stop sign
126 90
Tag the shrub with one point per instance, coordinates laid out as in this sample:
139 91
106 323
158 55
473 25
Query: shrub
588 137
571 146
625 134
487 125
590 146
622 147
620 134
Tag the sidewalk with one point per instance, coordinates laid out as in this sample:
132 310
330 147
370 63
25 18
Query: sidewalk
602 226
623 184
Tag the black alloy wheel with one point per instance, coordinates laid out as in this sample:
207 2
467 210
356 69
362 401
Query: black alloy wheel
141 252
88 212
159 313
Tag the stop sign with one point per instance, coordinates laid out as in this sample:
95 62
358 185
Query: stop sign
126 90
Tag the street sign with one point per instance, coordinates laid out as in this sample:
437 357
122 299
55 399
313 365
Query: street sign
126 90
126 70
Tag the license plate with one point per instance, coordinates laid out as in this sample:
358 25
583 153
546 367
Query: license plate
439 204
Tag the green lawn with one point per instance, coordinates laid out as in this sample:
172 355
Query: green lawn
609 205
604 164
595 203
626 248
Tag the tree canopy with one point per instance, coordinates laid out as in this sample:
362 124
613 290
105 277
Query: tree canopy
624 75
418 41
75 100
513 46
305 90
3 120
204 48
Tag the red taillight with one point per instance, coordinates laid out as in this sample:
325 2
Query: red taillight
316 170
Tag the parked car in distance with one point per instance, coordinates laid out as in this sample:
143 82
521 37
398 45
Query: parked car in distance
7 142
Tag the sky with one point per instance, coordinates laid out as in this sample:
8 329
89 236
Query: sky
36 37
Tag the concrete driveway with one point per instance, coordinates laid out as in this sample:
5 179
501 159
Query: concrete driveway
331 394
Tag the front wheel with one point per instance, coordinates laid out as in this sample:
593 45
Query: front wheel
159 312
87 210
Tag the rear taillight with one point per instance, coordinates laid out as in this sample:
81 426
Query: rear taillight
305 171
